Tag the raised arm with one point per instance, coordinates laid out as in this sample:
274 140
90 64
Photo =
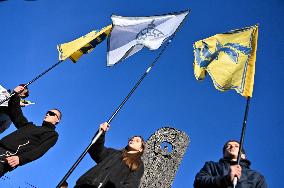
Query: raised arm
14 109
98 151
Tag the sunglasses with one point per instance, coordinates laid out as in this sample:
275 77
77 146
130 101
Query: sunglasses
52 114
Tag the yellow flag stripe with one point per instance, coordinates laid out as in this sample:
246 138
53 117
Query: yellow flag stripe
83 45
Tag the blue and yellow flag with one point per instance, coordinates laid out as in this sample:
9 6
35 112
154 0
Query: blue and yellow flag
83 45
229 58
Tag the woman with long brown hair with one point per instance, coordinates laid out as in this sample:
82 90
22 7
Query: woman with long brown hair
115 168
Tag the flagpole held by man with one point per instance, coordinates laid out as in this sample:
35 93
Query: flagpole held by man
5 120
229 58
72 50
221 174
29 142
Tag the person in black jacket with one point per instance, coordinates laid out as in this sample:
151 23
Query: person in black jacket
29 142
221 174
115 168
5 120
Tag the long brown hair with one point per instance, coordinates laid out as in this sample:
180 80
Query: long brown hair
133 160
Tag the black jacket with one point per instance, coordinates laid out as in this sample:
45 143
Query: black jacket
110 171
216 175
29 142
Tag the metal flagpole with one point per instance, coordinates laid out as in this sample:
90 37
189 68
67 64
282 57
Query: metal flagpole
33 80
96 137
242 138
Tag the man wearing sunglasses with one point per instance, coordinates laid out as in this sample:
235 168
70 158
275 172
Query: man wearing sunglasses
29 142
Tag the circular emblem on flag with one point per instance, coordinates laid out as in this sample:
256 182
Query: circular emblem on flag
148 33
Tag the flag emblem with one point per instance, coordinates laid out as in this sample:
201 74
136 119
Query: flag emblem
149 33
204 56
130 34
229 59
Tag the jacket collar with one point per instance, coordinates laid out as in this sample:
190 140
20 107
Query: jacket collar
244 162
48 125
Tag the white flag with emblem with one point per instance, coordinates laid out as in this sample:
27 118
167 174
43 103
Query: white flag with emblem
131 34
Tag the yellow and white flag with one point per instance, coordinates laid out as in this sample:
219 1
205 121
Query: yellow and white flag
83 45
229 58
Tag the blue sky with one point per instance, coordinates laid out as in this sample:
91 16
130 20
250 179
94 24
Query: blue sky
88 92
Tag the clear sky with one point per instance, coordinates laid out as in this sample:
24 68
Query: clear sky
88 92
